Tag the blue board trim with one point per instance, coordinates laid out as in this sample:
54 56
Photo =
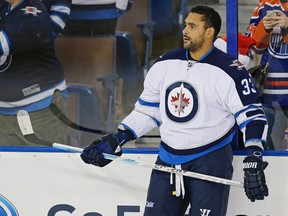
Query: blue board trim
125 150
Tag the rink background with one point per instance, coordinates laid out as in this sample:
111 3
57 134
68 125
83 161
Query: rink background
44 181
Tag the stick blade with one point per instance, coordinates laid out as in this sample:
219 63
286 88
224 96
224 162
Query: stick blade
24 122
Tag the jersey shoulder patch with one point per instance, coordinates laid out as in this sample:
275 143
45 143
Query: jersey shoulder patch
224 61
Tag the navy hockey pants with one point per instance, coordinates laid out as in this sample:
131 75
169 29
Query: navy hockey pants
205 198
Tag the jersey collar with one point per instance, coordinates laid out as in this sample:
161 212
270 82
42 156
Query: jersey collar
189 57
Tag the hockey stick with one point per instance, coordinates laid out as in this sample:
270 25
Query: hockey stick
63 118
155 166
28 132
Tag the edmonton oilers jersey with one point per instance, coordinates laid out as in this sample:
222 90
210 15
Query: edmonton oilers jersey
195 104
276 49
276 85
29 69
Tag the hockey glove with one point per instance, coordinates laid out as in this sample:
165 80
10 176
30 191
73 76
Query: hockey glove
93 154
254 178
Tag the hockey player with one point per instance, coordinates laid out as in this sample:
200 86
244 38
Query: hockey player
271 33
195 95
30 71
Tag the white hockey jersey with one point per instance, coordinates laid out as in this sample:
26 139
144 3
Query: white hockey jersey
195 104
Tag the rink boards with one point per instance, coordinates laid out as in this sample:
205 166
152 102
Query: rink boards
45 181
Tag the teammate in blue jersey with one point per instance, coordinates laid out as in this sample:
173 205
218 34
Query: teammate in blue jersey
195 95
271 33
30 71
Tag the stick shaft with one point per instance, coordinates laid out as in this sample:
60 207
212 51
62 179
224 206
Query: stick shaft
155 166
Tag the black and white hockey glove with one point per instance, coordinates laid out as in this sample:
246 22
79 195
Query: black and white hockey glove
254 177
109 144
93 154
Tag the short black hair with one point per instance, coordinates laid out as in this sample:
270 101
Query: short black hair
210 16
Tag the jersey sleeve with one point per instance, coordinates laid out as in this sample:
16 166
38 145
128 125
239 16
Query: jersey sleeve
256 29
146 114
242 100
59 14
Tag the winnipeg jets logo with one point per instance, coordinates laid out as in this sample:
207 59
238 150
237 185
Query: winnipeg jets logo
181 102
31 10
238 64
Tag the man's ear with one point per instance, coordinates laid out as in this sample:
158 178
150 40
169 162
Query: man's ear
210 32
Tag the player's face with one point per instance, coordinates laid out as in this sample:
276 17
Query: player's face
194 32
